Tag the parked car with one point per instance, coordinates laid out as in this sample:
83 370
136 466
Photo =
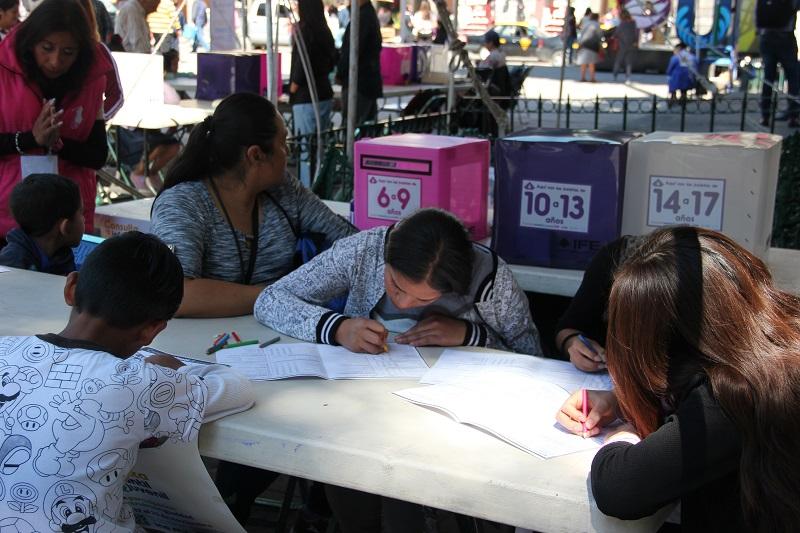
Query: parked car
257 24
521 39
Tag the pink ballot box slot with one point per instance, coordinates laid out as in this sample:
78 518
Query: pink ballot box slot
396 63
396 175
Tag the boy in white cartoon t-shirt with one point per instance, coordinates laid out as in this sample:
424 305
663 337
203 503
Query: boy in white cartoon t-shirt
75 406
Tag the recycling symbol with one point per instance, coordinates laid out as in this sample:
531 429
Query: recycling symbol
373 180
529 185
658 183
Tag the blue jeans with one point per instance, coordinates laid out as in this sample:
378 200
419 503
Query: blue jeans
779 47
200 40
305 123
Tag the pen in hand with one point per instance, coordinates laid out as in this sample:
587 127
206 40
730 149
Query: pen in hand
585 410
591 347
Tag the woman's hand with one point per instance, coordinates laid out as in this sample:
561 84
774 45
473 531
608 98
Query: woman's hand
47 127
293 88
603 410
436 330
362 335
584 358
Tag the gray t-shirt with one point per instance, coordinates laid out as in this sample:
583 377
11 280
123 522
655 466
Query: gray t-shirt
186 217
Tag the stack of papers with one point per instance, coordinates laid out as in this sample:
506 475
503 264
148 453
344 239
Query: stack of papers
281 361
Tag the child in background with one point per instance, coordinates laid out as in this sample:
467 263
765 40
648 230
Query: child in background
681 69
77 404
49 213
9 16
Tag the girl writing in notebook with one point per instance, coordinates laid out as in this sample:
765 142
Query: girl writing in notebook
704 352
420 280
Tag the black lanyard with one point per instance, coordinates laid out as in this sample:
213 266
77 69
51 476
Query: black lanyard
246 276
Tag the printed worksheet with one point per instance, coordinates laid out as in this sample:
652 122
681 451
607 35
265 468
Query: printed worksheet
456 365
517 409
281 361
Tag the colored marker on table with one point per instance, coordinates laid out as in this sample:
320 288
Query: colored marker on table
267 342
235 336
216 348
243 343
222 340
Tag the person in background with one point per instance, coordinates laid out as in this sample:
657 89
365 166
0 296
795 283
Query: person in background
199 18
627 36
775 23
587 16
704 353
423 22
680 71
321 52
496 58
370 83
55 72
9 16
49 213
232 213
590 42
126 292
105 28
131 25
384 16
569 32
163 23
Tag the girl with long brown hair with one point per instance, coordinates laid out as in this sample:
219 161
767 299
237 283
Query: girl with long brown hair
704 353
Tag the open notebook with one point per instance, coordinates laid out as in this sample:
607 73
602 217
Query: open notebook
281 361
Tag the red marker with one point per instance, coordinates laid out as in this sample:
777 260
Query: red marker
236 337
585 407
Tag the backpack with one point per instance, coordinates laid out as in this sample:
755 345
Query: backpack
774 14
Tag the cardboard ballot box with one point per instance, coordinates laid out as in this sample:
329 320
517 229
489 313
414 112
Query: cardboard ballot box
722 181
396 175
558 195
220 74
397 63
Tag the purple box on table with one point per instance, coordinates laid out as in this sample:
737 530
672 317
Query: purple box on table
222 73
558 195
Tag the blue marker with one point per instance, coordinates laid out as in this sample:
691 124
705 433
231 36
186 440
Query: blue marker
586 343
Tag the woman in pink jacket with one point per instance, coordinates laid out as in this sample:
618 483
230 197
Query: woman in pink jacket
53 74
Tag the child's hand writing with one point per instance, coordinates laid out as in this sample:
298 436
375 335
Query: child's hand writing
585 358
362 335
603 405
436 330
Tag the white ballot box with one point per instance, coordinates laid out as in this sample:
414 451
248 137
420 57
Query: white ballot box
722 181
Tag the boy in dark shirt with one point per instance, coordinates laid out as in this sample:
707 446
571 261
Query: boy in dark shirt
49 213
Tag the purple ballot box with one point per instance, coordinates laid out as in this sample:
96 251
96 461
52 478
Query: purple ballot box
222 73
558 195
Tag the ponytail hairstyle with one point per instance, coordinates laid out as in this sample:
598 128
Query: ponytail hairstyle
432 246
218 144
693 300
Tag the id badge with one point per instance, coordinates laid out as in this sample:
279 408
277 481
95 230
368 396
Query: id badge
38 164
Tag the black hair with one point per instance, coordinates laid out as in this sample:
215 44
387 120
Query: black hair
170 56
432 246
217 144
41 201
50 17
493 37
129 280
5 5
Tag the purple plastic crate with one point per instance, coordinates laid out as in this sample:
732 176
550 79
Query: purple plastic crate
558 195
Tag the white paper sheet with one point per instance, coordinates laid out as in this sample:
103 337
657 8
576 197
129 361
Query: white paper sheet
281 361
456 365
517 409
400 362
38 164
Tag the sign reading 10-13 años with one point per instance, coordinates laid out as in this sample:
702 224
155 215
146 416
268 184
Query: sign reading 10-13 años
693 201
555 206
